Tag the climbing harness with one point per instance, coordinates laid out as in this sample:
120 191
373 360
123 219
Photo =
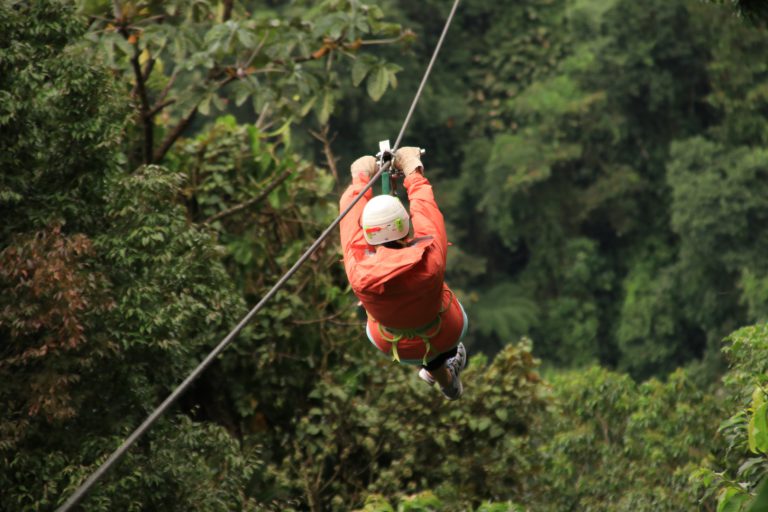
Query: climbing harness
426 332
86 486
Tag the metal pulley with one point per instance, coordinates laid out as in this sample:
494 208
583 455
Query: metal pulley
388 177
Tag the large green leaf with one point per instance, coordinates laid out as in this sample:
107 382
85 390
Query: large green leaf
732 500
377 83
326 106
760 502
392 71
361 67
758 430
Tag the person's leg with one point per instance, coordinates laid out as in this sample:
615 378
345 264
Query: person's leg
437 365
442 375
437 369
445 369
453 389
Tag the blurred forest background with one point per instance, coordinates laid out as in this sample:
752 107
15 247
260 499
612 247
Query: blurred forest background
603 170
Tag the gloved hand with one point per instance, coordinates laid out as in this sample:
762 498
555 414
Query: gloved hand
365 165
408 160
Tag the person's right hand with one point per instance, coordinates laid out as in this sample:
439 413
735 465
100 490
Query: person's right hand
408 160
364 165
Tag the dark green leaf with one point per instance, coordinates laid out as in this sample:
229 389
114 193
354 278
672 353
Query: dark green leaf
377 83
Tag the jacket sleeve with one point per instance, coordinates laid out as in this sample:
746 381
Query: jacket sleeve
426 218
352 238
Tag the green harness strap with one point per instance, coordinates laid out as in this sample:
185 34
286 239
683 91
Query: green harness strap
425 332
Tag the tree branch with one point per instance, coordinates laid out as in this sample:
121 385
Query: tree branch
322 136
324 319
262 117
158 107
141 90
228 4
258 48
403 35
174 135
157 17
246 204
117 10
148 67
168 86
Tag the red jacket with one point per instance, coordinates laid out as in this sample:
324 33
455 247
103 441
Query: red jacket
403 288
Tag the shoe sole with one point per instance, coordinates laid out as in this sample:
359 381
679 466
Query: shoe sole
458 395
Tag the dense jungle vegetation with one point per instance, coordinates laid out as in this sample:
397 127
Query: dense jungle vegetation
603 170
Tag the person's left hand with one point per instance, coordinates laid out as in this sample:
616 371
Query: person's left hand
408 160
364 165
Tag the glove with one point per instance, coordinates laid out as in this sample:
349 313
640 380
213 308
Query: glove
408 160
365 165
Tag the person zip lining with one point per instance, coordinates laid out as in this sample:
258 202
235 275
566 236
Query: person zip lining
412 314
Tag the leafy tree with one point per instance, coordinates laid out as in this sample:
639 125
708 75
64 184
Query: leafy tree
374 428
55 291
281 202
754 10
184 59
614 444
733 478
52 101
112 295
427 501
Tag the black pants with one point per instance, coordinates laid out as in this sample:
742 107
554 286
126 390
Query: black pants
437 362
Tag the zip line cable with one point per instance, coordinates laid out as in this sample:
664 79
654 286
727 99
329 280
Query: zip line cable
86 486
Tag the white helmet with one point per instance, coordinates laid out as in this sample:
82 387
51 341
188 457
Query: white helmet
385 220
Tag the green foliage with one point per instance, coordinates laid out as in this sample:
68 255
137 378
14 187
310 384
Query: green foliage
377 429
159 297
753 10
500 507
53 293
738 92
735 478
648 331
184 466
614 444
182 58
265 205
112 295
717 197
376 503
600 166
51 101
504 311
427 502
380 75
173 295
573 315
760 502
